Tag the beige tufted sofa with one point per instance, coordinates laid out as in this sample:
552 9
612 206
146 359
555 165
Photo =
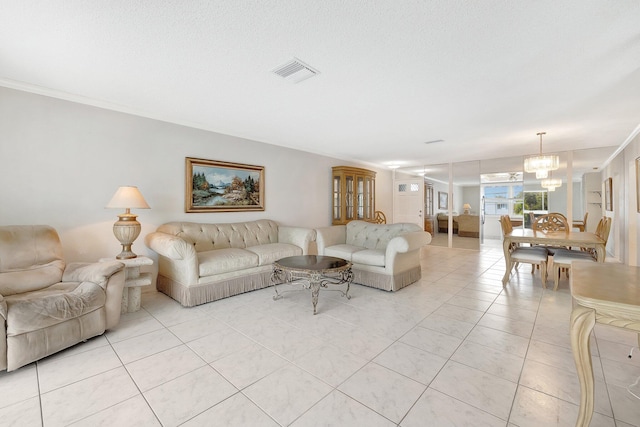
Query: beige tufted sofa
46 305
384 256
199 263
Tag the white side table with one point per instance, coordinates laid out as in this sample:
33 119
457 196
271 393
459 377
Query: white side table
133 281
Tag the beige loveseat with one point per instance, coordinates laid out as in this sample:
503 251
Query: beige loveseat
199 263
384 256
45 305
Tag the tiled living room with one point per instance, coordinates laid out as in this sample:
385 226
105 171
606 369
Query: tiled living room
454 349
95 96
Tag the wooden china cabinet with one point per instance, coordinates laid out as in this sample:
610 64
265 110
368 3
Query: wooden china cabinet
353 194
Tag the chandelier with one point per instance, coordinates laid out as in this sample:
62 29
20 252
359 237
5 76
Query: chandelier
551 183
540 164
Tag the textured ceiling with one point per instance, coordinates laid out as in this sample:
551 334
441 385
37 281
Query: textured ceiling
484 76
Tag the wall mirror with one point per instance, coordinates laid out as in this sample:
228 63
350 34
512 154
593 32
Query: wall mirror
502 187
466 205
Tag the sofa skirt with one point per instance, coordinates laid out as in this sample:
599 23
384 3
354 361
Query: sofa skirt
190 296
385 281
475 234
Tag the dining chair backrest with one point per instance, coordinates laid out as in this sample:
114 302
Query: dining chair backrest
551 222
507 227
505 224
379 217
603 229
584 221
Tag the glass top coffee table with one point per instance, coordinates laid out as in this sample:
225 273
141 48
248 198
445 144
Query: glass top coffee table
313 272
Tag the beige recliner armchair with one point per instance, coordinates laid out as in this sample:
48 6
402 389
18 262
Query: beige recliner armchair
46 306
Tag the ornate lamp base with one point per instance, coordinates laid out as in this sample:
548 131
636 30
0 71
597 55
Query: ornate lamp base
126 230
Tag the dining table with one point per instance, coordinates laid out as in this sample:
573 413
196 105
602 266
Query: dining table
608 294
561 238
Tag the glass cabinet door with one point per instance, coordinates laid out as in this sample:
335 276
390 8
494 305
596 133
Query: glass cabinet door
349 198
352 194
360 199
370 192
337 205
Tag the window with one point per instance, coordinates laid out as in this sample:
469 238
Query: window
503 199
536 202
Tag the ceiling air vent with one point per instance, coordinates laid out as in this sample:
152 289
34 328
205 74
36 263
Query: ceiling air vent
295 71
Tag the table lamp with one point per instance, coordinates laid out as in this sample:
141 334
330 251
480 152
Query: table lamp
127 229
467 208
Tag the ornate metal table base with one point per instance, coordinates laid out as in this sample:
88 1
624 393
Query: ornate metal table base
313 272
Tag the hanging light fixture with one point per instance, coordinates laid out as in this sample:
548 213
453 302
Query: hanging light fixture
541 165
551 183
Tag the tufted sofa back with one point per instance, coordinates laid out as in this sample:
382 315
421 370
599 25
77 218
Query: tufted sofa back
207 237
376 236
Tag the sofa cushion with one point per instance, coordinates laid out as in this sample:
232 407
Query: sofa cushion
50 306
225 260
342 251
271 252
369 257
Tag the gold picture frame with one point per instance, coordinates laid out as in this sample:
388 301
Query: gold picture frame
443 200
216 186
608 194
638 184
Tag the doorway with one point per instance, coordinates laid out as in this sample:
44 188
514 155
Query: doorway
408 201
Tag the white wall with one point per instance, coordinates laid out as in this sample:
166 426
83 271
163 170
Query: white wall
471 195
60 163
592 184
458 199
624 237
617 235
631 205
558 199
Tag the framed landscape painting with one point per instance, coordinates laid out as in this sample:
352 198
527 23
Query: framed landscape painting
443 200
215 186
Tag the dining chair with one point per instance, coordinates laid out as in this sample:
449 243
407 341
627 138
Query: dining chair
581 224
553 221
562 258
379 217
536 256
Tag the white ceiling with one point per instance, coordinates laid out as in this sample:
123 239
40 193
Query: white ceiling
484 76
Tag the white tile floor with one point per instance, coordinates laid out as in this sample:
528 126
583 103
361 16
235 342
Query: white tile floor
455 349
